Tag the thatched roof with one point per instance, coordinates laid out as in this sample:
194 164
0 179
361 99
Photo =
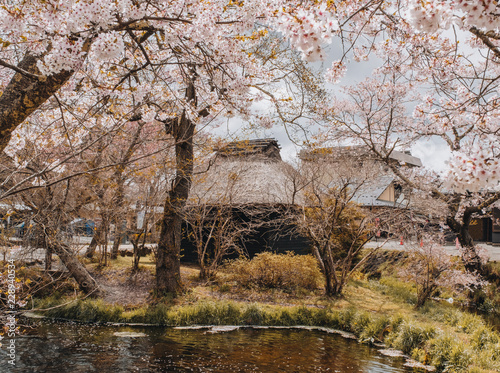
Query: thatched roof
244 172
250 150
370 193
360 152
252 172
356 166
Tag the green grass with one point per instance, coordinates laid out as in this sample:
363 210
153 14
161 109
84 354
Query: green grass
401 291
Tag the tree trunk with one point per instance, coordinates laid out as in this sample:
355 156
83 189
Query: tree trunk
48 258
116 244
423 295
76 269
97 239
136 257
329 272
116 241
470 258
204 274
105 246
168 276
328 285
26 92
92 246
332 288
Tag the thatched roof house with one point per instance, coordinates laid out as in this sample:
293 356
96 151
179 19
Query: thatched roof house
375 183
252 180
250 150
244 172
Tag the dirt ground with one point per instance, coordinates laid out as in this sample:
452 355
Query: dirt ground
123 287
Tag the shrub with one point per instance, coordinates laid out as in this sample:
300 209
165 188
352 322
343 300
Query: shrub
463 321
274 271
484 336
375 330
253 315
408 336
157 314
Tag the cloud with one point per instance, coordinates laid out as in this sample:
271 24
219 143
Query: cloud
433 152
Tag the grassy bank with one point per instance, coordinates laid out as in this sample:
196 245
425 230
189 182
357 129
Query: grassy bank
439 334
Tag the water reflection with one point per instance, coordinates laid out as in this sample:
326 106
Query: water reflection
83 348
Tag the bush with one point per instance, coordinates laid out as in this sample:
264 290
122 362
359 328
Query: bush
274 271
207 313
375 330
462 321
408 336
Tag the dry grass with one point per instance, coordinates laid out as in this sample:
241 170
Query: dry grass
357 294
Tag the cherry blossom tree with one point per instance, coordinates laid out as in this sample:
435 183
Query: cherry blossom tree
431 267
338 230
48 213
147 188
392 111
95 58
78 64
123 156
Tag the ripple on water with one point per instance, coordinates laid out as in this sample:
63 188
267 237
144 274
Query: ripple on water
74 348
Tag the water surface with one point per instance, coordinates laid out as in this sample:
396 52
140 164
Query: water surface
67 347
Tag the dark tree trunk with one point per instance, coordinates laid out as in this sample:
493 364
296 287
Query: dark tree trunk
92 246
48 258
333 287
118 234
470 258
25 94
204 274
118 223
116 240
137 253
168 279
168 276
136 257
424 294
104 257
328 285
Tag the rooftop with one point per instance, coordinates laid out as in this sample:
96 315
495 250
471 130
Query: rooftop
264 149
358 151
